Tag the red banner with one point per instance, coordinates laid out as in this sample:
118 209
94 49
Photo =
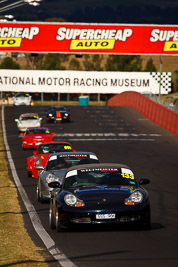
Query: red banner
79 38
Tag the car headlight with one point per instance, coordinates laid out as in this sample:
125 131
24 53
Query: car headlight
66 114
50 114
71 200
38 162
51 178
24 142
134 198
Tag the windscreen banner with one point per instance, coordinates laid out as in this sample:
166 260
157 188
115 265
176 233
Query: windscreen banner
79 38
91 82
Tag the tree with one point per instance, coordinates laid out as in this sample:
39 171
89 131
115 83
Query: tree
93 62
150 66
52 62
74 64
123 63
8 63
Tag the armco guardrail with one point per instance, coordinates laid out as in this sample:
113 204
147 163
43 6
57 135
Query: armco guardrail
166 118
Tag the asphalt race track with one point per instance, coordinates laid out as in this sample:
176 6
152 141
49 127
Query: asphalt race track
115 134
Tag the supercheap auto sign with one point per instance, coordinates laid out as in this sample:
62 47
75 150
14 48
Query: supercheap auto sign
88 38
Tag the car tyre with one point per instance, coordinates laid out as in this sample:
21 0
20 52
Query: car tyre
39 196
58 222
29 173
51 217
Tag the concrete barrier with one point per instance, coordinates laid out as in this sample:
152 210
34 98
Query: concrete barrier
166 118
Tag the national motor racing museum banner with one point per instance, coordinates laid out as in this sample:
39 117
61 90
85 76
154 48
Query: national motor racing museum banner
88 38
84 81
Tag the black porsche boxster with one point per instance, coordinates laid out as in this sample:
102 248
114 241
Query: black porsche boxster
57 114
103 193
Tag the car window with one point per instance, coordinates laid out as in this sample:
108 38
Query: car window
29 118
58 162
37 131
117 177
22 95
53 148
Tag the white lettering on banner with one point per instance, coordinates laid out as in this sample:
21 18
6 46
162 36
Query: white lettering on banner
90 82
17 80
28 33
163 35
91 34
54 81
130 82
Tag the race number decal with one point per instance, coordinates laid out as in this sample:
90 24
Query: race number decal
126 173
67 147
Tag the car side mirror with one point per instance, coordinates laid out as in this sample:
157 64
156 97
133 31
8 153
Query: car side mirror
34 153
53 133
144 181
40 119
39 167
16 120
54 185
22 134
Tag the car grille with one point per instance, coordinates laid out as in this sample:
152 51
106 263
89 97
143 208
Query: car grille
81 220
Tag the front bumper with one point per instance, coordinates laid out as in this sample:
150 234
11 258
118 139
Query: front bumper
22 103
22 129
31 145
136 216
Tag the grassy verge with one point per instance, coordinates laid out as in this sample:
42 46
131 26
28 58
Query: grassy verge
68 103
16 246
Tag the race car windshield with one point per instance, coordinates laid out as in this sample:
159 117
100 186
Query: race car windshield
28 118
61 108
22 95
53 148
107 178
37 131
57 108
63 162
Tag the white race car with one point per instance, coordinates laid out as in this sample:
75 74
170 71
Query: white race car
22 99
28 120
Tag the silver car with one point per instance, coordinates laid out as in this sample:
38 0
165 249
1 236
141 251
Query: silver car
56 167
22 99
28 120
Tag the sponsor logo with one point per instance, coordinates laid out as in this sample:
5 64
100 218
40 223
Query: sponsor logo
92 39
170 38
171 46
13 36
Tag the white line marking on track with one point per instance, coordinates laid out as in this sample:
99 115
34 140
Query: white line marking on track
111 139
106 135
47 240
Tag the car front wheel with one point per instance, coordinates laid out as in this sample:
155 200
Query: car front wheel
58 222
51 217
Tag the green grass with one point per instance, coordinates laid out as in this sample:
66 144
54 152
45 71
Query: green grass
68 103
16 246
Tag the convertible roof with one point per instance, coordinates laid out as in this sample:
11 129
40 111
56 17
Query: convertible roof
98 165
74 153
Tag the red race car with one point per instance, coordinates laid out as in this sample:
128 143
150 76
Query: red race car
34 136
42 153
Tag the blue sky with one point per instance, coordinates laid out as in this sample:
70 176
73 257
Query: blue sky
100 11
